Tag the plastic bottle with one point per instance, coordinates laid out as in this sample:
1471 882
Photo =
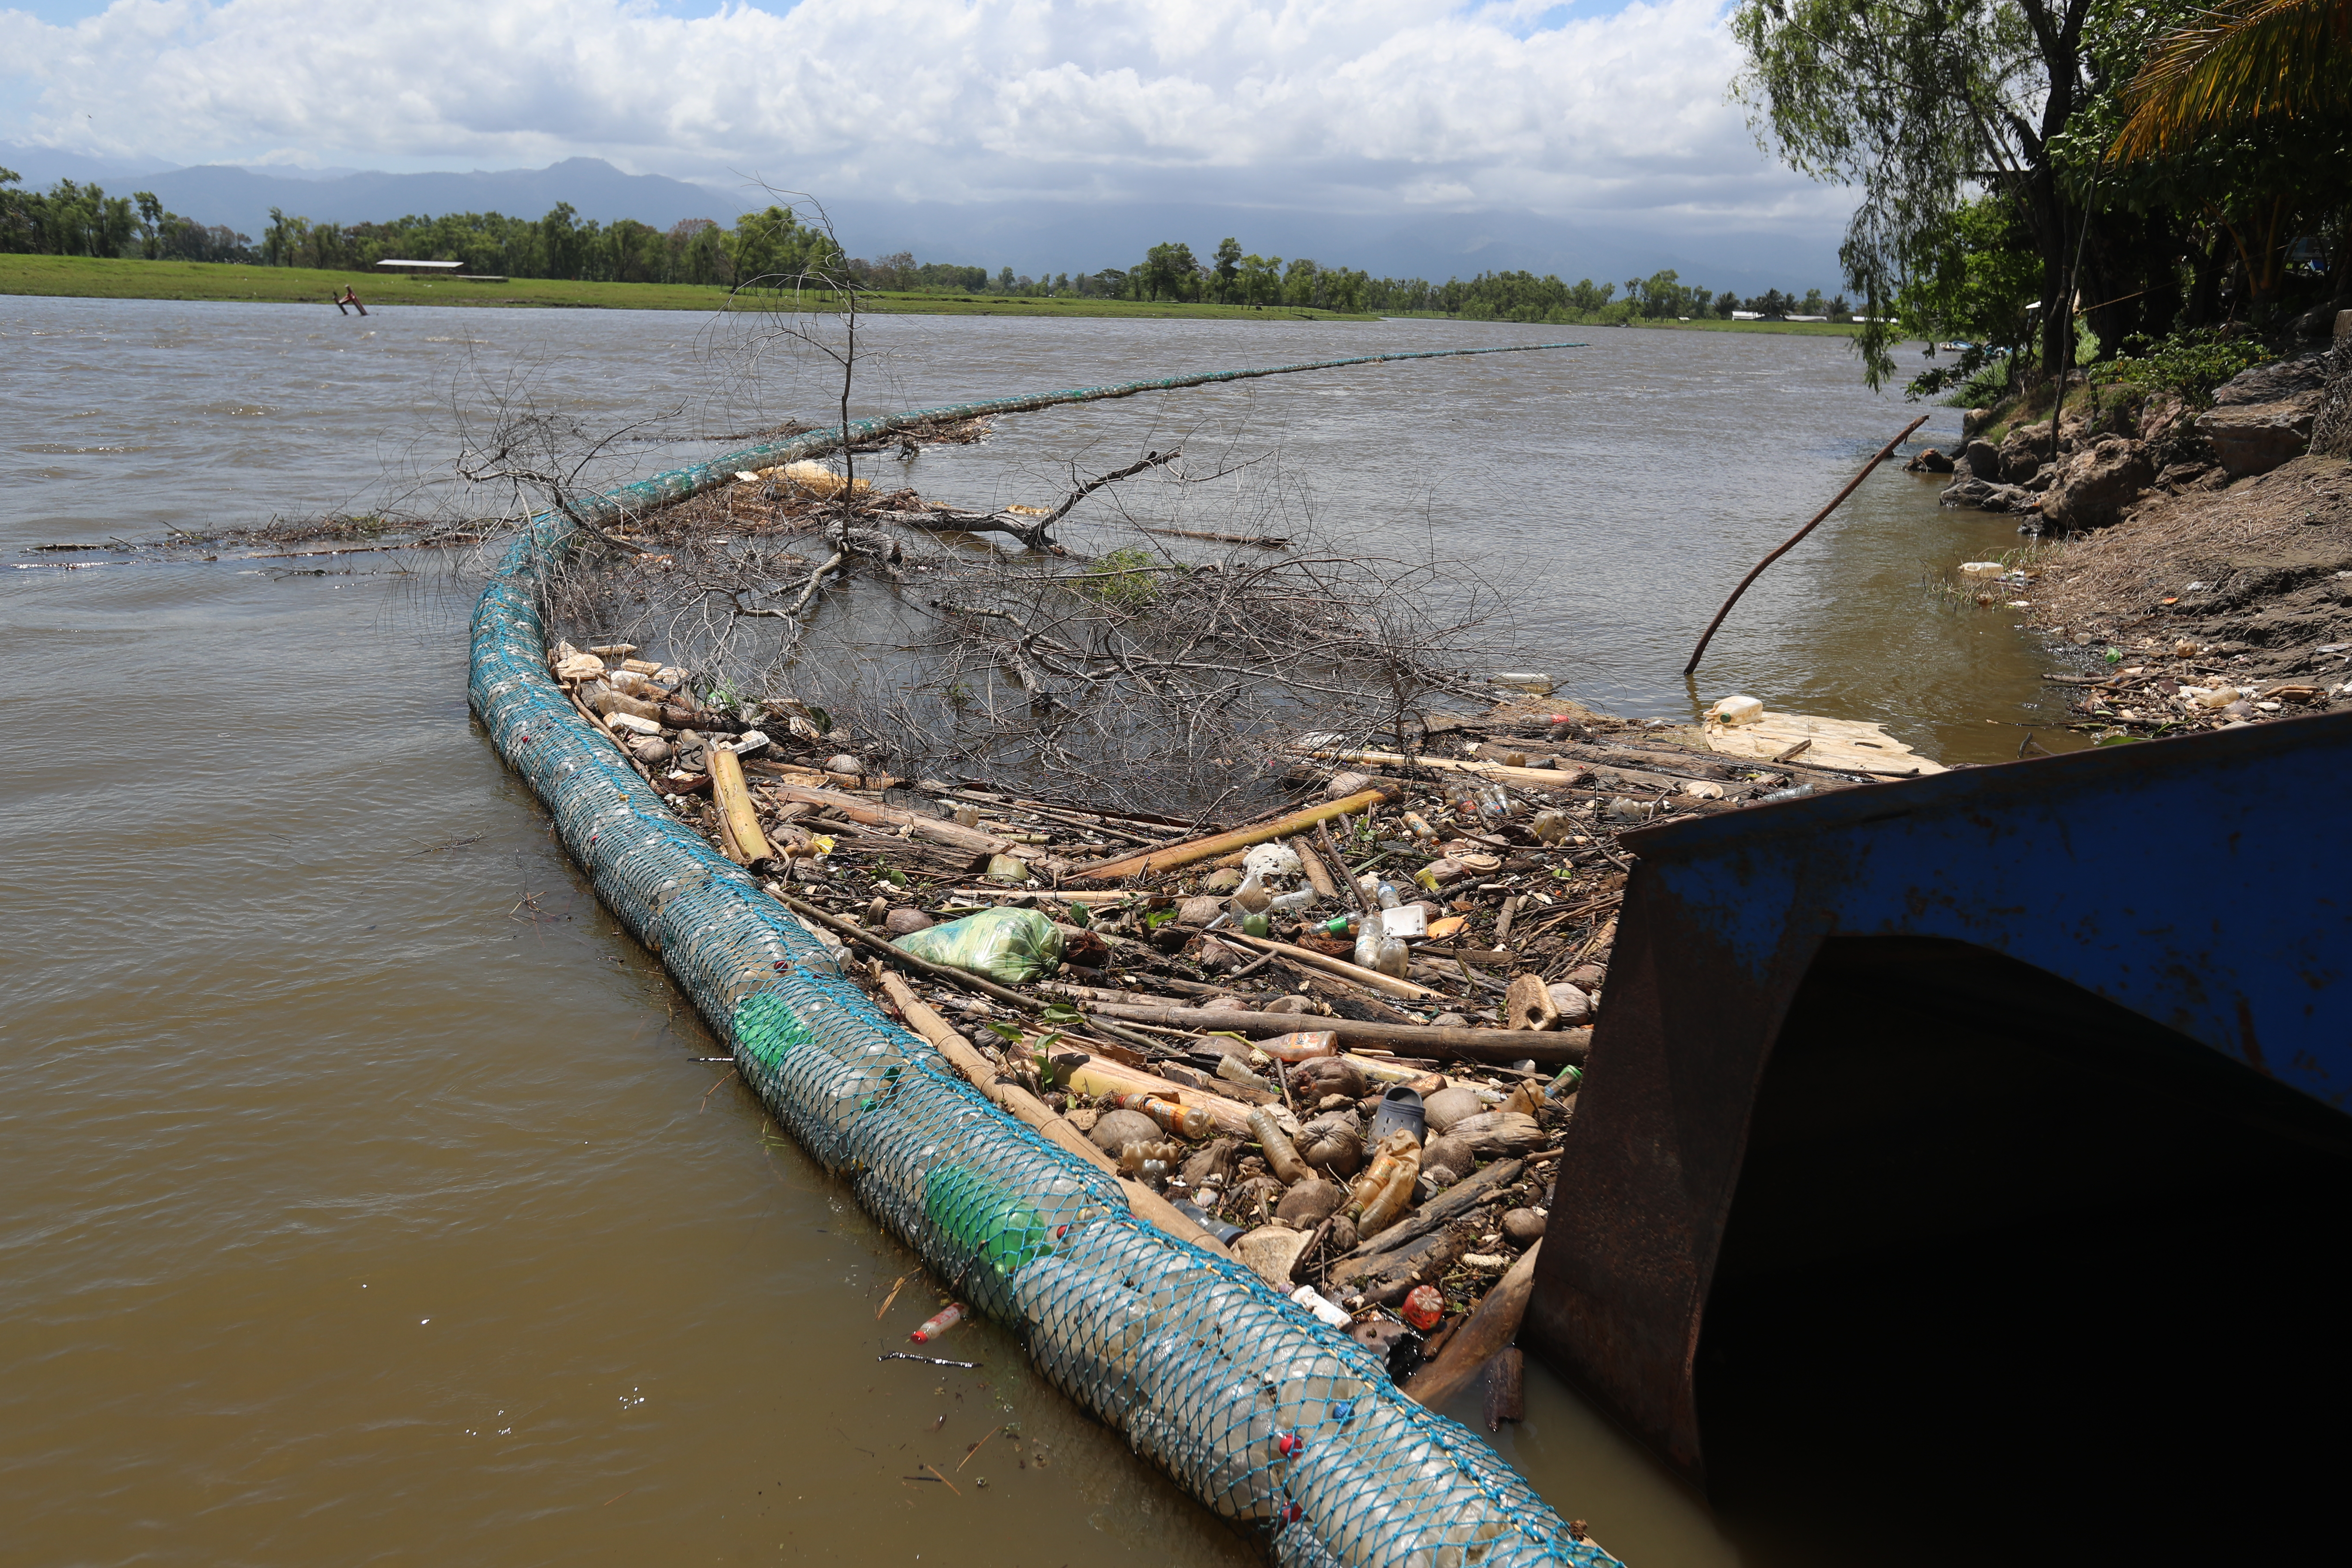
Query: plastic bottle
1281 1154
1213 1225
1387 896
1387 1159
1315 1301
1418 826
1304 1045
938 1323
1184 1121
1423 1307
1286 903
1338 925
1395 958
1149 1161
1387 1205
1232 1071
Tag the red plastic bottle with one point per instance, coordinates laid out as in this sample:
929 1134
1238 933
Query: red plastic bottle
1424 1309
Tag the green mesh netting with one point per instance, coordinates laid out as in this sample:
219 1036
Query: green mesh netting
1256 1409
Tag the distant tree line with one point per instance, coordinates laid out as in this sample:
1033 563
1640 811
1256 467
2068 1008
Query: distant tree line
774 249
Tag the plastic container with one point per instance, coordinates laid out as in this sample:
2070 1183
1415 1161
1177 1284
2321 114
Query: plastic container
1304 1045
1404 921
1281 1154
1734 711
938 1323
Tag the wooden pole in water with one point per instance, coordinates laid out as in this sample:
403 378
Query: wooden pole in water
1884 453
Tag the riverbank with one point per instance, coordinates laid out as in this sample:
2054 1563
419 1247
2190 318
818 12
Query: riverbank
95 278
2207 579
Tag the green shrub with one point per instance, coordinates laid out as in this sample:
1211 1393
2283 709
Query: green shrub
2191 364
1124 577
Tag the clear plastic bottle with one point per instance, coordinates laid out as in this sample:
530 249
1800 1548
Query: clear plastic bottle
1394 957
1232 1071
1281 1154
1286 903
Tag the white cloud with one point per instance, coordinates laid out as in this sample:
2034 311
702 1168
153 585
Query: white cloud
1371 105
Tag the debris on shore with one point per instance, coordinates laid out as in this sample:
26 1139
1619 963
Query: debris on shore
1341 1043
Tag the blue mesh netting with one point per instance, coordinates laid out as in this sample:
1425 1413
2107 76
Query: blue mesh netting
1257 1410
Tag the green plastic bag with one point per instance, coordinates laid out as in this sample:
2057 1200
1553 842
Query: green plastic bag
1008 946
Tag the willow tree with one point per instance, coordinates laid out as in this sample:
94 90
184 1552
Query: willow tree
1923 106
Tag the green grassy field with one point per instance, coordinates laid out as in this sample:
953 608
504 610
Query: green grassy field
90 278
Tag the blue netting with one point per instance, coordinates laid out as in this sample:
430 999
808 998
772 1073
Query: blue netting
1255 1408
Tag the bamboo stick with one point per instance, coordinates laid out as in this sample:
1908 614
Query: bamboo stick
1565 1047
1407 989
937 830
735 807
1099 1075
1530 778
1493 1324
1177 855
1318 876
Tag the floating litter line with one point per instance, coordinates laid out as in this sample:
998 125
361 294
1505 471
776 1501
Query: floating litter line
1261 1413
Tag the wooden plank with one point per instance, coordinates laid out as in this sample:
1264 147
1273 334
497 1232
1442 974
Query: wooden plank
1844 745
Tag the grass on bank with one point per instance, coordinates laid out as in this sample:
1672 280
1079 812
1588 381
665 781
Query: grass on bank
95 278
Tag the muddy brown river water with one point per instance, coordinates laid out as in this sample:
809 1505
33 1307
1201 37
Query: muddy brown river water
362 1199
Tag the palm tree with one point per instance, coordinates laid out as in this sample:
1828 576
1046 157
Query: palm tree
2237 63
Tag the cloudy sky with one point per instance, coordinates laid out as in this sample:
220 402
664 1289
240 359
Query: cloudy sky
1595 112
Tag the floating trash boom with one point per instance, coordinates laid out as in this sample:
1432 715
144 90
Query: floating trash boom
1266 1417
